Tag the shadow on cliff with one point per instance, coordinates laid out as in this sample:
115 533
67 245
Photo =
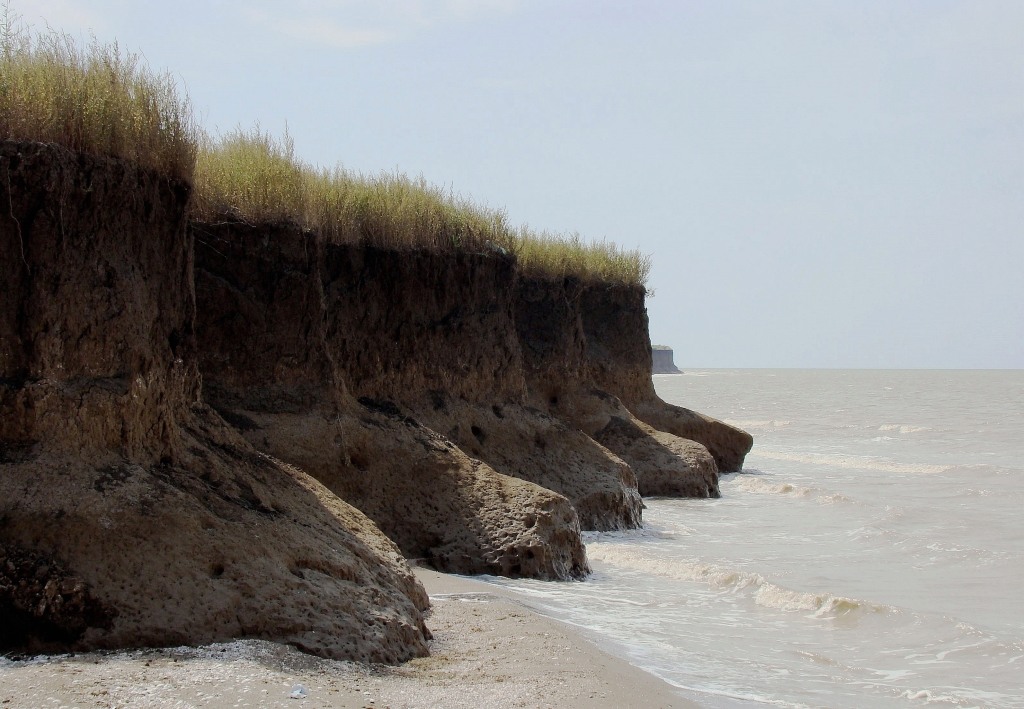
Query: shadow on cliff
530 444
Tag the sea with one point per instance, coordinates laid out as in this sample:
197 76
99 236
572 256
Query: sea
869 554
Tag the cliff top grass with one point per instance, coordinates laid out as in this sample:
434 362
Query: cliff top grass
100 100
96 99
254 177
560 255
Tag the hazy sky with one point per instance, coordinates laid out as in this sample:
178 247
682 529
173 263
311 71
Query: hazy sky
820 184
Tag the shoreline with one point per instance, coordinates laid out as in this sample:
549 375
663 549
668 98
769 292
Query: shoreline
489 650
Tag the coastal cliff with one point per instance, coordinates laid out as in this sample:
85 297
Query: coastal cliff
340 405
620 361
590 353
238 392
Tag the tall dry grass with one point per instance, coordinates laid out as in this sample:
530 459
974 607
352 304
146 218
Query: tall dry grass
94 99
567 255
252 176
98 99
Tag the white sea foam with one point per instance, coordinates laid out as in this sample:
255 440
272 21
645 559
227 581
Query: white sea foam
852 462
822 605
734 581
648 531
833 498
690 570
761 486
758 424
928 696
903 428
759 482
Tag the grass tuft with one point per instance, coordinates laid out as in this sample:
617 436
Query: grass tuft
96 99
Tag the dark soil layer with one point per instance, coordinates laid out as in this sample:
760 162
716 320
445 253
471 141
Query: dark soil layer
96 345
404 323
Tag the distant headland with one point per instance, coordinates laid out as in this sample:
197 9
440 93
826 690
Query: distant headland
662 360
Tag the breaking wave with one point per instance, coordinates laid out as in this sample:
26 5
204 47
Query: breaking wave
757 482
648 531
761 486
734 581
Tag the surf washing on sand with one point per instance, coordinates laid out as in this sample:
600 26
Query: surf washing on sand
870 553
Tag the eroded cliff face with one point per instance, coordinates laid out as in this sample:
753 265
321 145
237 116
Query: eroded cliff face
485 372
262 322
436 333
280 312
96 346
407 323
129 511
618 347
586 350
619 360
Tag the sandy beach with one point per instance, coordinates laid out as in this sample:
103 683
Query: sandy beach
489 650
